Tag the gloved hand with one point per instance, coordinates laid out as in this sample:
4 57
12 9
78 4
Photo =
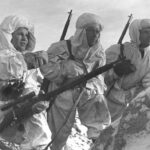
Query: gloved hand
30 60
40 106
35 60
42 57
124 68
31 42
72 69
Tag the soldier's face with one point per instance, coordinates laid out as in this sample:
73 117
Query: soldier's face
20 39
144 37
93 34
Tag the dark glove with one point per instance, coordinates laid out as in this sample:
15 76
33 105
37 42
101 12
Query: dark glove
13 90
16 115
124 68
23 111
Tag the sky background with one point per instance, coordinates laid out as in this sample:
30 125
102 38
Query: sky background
49 16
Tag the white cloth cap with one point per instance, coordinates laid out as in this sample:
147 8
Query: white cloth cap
79 40
134 28
86 19
8 26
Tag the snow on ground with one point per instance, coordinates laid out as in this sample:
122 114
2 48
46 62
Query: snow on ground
78 139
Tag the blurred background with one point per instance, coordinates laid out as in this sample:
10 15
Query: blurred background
49 16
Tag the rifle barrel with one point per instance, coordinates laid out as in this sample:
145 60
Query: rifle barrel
66 26
125 29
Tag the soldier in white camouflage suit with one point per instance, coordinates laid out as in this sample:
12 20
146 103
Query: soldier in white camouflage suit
17 37
131 130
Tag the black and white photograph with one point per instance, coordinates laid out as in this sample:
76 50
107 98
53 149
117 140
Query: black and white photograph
75 75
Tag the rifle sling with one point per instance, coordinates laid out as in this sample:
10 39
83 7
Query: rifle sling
69 46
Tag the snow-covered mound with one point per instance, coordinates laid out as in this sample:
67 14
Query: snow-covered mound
133 131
